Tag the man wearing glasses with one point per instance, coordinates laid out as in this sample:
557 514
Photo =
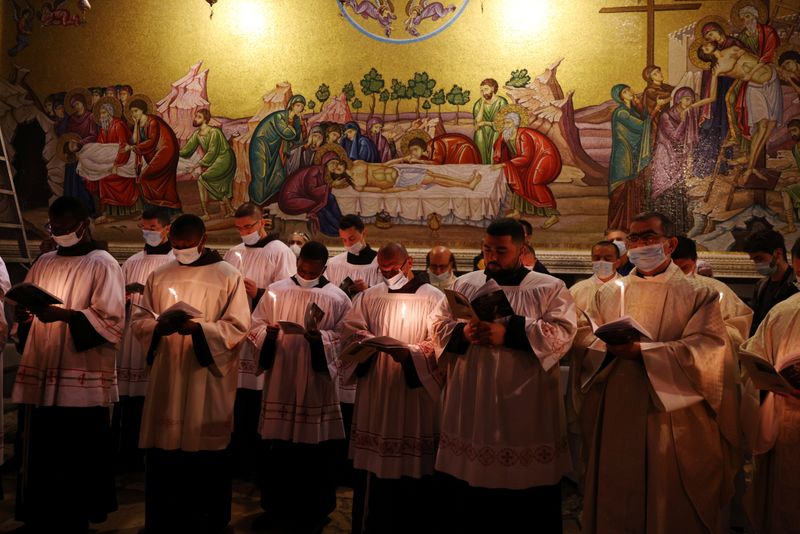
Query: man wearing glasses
662 415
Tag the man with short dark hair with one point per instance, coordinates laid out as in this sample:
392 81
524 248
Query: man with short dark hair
767 249
263 259
772 495
188 409
658 402
502 400
605 261
301 422
131 364
66 380
618 236
484 112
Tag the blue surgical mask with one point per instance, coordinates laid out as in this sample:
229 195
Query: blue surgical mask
621 246
152 238
647 258
767 268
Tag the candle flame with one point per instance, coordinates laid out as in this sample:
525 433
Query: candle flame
273 295
239 255
174 293
620 283
403 311
720 296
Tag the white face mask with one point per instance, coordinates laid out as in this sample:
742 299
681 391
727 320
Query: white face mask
68 240
621 246
355 248
152 238
185 256
296 249
445 276
767 268
603 269
250 239
397 281
647 258
302 282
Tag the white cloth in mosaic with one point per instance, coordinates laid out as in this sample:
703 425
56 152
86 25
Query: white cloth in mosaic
264 265
131 356
97 161
298 404
503 423
188 406
652 416
773 496
479 205
336 271
396 428
52 372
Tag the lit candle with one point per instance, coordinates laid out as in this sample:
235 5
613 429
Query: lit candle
621 285
239 255
174 294
274 306
720 296
403 313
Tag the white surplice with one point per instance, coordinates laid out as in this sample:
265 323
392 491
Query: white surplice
263 265
131 356
503 423
336 271
52 372
656 455
299 404
188 406
395 428
774 494
584 291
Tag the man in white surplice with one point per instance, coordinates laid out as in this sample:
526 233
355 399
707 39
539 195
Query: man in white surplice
66 379
503 446
262 259
657 453
188 409
131 364
358 262
396 416
301 422
774 493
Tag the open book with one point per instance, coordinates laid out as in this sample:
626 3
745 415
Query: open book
490 303
619 331
361 351
313 316
178 309
784 380
31 296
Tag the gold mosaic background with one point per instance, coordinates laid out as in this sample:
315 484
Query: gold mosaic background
250 45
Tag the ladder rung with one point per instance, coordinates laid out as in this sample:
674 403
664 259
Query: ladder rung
2 158
10 225
16 259
6 192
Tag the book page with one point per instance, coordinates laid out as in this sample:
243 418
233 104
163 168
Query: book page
291 329
764 376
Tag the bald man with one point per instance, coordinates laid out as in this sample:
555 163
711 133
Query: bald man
396 415
441 265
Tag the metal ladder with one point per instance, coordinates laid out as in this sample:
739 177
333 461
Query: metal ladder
7 192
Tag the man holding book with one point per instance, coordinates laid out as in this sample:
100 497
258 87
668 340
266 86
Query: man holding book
262 259
396 417
66 378
131 364
774 493
194 314
503 447
295 333
659 395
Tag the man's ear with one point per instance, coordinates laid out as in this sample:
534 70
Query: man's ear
672 244
202 243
